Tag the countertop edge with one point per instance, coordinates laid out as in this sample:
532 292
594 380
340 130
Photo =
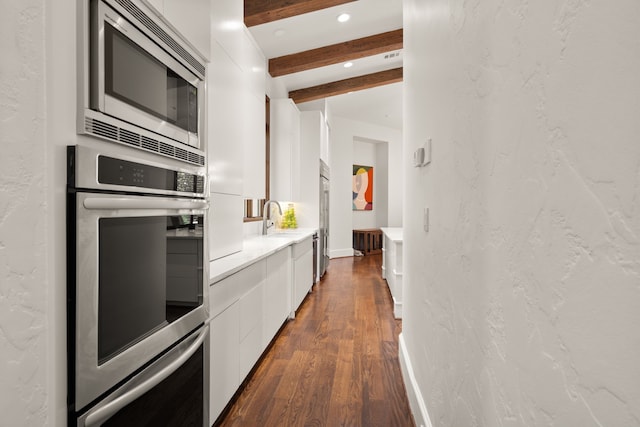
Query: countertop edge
393 233
255 248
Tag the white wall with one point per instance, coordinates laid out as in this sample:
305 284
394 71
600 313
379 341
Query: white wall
38 46
25 392
381 182
522 302
343 132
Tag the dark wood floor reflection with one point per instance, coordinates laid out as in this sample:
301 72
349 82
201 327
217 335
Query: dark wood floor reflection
336 364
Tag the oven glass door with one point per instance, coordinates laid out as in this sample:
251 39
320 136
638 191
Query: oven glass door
139 284
150 274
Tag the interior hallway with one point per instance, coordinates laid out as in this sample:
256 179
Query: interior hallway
336 364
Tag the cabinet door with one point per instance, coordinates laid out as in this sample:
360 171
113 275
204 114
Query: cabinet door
225 224
254 147
277 293
309 191
192 19
285 150
251 344
225 124
224 367
302 271
227 25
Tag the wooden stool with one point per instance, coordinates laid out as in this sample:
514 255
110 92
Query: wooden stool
368 240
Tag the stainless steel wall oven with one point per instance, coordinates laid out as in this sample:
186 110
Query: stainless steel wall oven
137 291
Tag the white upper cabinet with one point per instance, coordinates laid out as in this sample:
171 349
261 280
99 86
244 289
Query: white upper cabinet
285 150
254 148
227 25
312 131
254 88
225 123
241 127
191 18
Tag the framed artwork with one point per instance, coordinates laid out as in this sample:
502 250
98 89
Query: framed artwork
362 188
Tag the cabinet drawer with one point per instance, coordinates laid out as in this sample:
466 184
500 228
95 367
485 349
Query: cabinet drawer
251 311
302 247
225 292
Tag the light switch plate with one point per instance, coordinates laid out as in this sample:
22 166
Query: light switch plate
425 220
427 152
422 156
418 157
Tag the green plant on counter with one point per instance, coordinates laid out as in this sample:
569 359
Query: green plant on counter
289 218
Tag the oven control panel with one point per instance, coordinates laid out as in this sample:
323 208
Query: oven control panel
132 174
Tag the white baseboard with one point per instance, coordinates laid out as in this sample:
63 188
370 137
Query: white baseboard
340 253
416 402
397 309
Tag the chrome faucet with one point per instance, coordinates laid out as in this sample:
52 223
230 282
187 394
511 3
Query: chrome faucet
266 213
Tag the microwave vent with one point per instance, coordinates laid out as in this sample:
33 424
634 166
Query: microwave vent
166 149
129 137
102 129
118 134
162 35
150 144
195 158
182 154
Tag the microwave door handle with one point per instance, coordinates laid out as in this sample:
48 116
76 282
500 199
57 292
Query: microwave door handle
94 203
103 413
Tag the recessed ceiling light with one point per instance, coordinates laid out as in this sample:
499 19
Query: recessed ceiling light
344 17
279 32
348 64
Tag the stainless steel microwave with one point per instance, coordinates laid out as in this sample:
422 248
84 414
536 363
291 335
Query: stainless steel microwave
143 84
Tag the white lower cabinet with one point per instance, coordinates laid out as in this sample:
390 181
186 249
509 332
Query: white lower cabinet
392 266
277 293
247 309
251 345
235 305
302 272
224 368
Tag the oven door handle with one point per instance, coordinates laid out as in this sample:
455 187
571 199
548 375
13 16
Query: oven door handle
95 203
102 413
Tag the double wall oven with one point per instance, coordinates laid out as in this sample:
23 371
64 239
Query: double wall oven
137 293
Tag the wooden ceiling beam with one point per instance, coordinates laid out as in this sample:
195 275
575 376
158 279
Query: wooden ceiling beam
258 12
335 54
348 85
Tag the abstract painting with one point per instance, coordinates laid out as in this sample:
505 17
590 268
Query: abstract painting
362 188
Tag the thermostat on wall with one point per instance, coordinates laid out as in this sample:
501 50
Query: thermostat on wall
422 156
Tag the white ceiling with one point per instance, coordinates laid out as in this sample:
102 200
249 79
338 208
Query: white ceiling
381 105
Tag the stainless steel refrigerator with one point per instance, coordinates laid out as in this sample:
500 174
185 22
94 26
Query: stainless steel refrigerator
323 252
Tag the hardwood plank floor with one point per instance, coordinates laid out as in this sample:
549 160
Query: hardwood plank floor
336 364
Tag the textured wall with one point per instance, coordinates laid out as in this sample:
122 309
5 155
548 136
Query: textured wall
23 280
523 300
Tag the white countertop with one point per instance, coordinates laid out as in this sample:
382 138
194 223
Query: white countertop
254 249
393 233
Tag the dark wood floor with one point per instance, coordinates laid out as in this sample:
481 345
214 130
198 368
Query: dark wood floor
336 364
